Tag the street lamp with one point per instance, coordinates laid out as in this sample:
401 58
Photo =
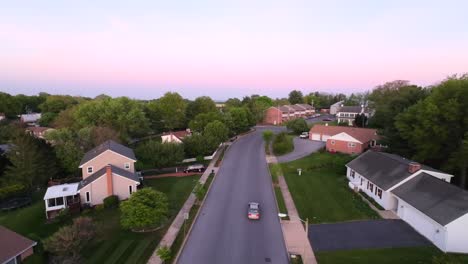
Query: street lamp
306 222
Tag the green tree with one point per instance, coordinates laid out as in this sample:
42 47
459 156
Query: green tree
297 125
146 208
122 114
203 104
57 103
435 128
159 154
195 146
239 119
296 97
67 149
32 162
267 136
233 102
164 253
47 119
199 123
360 120
168 111
389 100
216 130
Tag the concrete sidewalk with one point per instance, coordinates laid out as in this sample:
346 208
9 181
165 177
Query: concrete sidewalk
295 236
178 222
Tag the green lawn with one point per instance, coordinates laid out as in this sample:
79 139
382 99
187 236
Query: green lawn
414 255
113 244
321 193
279 199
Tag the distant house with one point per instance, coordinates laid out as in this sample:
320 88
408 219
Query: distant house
334 108
276 115
350 140
175 136
38 132
420 195
2 116
5 148
14 248
347 114
108 169
31 119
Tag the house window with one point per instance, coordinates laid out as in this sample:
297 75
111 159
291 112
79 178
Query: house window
87 197
371 187
367 185
90 170
362 181
379 193
351 144
127 166
333 142
51 202
59 201
130 189
352 173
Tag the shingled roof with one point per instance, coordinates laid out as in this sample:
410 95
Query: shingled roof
115 170
352 109
440 200
383 169
12 244
108 145
361 134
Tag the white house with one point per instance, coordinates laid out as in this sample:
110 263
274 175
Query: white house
347 114
335 107
30 119
175 136
421 196
59 197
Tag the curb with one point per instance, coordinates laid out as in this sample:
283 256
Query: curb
277 208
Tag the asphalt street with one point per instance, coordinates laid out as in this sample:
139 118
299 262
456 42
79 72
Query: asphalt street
302 148
222 232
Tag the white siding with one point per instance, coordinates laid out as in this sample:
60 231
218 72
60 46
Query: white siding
457 235
423 224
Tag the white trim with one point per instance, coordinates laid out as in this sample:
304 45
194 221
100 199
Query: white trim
92 169
81 166
125 165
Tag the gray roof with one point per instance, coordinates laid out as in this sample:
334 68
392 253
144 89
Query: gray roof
115 170
440 200
297 107
286 109
383 169
351 109
306 106
108 145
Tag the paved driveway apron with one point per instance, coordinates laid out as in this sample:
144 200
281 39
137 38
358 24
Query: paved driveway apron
302 148
364 234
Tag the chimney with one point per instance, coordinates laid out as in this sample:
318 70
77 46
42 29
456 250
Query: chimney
110 187
413 167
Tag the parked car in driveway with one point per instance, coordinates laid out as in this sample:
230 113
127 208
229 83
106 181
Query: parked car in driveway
304 135
254 211
195 168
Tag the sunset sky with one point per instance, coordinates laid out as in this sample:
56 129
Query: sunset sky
223 49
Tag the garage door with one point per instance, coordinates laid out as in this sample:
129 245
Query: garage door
315 136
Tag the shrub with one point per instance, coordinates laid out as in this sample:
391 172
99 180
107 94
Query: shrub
99 207
282 144
111 201
63 215
164 253
11 190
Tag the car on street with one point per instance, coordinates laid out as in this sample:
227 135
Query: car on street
254 211
195 168
304 135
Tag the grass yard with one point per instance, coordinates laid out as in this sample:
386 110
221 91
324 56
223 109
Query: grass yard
414 255
113 245
321 193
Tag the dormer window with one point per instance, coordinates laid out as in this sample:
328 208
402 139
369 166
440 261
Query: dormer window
90 170
127 166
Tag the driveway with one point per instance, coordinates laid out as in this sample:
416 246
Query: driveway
302 148
364 234
222 233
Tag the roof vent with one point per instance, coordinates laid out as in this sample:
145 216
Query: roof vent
413 167
65 189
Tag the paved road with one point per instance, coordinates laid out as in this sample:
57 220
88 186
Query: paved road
364 234
222 233
302 148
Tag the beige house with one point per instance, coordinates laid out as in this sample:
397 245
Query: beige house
108 169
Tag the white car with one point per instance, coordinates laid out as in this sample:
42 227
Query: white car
304 135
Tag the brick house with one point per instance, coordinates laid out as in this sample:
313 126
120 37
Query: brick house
276 115
14 248
108 169
349 140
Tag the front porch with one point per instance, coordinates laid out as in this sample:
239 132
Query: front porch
59 197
